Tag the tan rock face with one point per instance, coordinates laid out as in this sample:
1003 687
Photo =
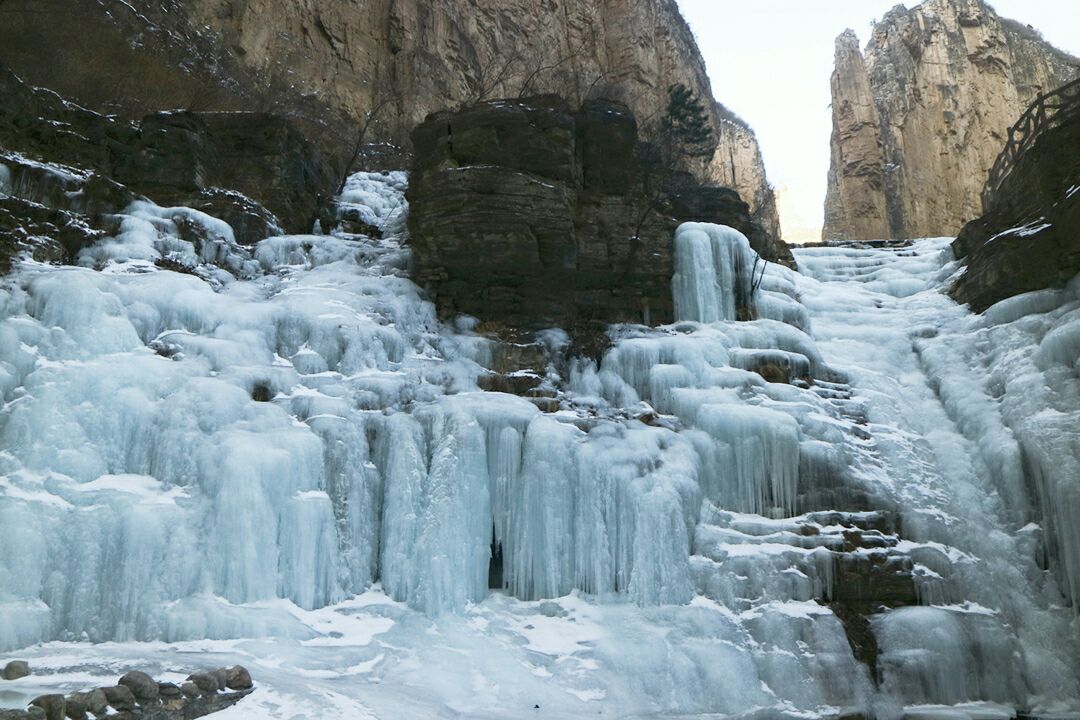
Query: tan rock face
855 203
347 55
919 120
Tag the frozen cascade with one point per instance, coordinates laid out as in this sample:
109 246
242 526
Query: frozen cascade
711 265
280 457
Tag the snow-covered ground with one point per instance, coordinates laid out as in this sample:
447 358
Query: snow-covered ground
213 467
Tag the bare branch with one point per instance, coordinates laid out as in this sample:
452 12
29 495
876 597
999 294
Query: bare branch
485 83
553 66
370 117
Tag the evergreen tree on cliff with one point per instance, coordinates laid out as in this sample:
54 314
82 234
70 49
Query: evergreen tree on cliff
680 137
687 125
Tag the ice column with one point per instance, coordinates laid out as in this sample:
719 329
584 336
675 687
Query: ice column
712 268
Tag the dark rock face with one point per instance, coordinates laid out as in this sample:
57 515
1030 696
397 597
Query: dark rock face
274 176
1029 237
178 155
523 214
41 222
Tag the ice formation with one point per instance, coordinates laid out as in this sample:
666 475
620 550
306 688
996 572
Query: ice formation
283 444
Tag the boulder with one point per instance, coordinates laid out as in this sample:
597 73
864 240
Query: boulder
172 698
53 705
75 707
31 713
238 678
206 682
16 669
91 701
142 686
190 689
221 676
119 697
168 689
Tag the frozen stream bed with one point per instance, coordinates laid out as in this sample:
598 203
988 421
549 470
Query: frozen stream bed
279 458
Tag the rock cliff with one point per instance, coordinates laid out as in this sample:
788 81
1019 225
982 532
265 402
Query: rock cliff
920 116
524 214
333 60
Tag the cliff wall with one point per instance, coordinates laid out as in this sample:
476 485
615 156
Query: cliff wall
333 60
920 116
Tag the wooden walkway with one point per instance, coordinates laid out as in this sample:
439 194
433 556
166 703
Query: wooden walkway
1048 111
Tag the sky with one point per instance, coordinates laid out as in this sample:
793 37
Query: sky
778 80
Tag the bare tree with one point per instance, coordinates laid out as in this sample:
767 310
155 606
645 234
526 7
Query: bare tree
490 76
541 67
370 117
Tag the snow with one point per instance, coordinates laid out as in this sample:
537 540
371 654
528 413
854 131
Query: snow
281 458
1032 228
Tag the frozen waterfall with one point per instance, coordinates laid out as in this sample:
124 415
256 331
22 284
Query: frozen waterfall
279 456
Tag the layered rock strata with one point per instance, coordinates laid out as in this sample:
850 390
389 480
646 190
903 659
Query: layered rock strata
525 213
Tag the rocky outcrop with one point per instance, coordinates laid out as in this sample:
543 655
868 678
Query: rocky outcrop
1029 238
137 696
919 118
525 214
330 62
256 171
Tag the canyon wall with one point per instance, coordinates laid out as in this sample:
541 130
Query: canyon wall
920 116
332 61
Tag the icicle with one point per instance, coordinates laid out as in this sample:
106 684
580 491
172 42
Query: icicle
755 463
405 471
538 553
449 563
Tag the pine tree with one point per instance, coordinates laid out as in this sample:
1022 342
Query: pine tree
687 123
682 134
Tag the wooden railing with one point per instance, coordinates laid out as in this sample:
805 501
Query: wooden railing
1048 111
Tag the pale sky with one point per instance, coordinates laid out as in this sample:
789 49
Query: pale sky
770 62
